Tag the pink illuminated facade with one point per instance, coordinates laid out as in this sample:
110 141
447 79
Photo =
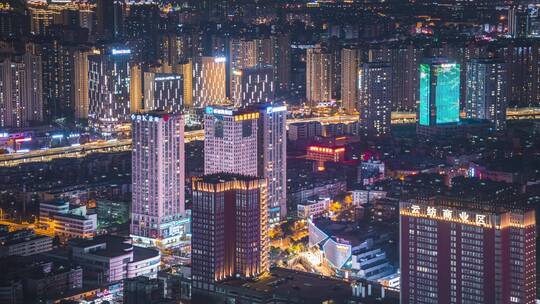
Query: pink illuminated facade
157 176
250 141
466 252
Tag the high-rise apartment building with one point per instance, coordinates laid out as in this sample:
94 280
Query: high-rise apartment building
163 92
319 75
109 82
80 82
487 91
439 92
157 177
250 141
375 94
350 59
21 98
109 19
454 251
229 229
253 85
209 81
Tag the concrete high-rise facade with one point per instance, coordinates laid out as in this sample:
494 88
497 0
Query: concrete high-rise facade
253 85
109 82
464 252
21 98
250 141
350 59
163 92
319 75
487 91
209 81
157 177
375 94
229 229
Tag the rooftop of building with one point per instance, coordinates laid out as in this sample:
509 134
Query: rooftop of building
115 246
20 236
219 178
32 267
348 232
301 287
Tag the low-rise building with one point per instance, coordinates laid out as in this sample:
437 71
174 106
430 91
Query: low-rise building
362 197
33 278
290 286
68 221
351 251
23 243
108 259
313 208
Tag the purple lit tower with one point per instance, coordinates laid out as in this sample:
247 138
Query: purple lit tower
157 178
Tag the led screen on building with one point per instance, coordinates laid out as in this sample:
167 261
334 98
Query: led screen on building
439 92
447 93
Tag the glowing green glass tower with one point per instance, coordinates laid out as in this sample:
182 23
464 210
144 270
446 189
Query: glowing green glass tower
439 92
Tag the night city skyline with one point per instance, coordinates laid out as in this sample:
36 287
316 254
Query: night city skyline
269 151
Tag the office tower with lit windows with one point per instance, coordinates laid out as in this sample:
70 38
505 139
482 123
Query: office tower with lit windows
250 141
157 177
487 91
21 95
253 85
439 95
209 81
229 229
456 251
272 161
230 141
350 59
375 97
109 82
163 92
319 75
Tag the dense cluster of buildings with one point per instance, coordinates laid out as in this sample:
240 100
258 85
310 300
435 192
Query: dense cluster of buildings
354 151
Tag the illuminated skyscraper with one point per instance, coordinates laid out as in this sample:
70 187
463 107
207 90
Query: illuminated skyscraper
209 81
439 92
272 161
229 229
455 251
230 141
349 79
250 141
109 89
375 96
21 95
163 92
157 177
253 85
319 75
487 91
